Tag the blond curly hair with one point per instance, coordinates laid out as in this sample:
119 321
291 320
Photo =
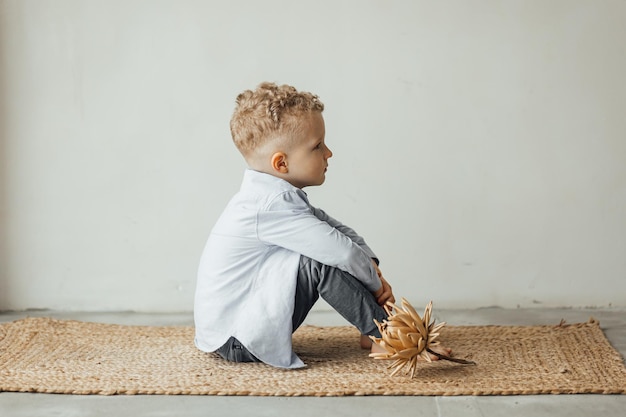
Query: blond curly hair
268 112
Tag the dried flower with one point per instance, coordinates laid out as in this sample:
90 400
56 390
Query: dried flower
406 337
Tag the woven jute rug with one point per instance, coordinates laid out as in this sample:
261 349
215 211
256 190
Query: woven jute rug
60 356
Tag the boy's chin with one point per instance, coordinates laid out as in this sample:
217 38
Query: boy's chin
313 184
316 182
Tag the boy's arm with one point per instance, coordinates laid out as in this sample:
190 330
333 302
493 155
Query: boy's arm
289 222
385 292
346 230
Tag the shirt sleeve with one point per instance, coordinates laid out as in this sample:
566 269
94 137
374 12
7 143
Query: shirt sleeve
346 230
290 222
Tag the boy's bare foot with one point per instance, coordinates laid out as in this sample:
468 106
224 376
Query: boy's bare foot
377 349
366 342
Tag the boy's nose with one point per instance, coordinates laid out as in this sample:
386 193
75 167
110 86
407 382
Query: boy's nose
329 153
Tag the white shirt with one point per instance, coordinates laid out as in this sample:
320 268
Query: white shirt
247 274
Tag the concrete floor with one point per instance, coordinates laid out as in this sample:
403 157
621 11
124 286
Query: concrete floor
613 321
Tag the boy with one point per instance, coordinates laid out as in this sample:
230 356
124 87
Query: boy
271 254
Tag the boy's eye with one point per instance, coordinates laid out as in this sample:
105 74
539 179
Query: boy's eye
319 145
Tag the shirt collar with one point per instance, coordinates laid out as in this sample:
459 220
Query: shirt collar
260 180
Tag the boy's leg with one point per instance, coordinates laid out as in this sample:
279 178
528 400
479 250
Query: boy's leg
234 351
306 293
341 290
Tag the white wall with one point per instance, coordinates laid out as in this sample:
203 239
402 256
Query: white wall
479 146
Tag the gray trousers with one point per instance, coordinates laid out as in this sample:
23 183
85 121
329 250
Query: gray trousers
341 290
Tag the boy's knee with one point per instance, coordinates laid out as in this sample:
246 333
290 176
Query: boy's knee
310 270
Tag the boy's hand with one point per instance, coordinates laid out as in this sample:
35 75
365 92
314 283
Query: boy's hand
384 293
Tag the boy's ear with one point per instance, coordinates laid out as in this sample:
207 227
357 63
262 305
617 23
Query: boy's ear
279 162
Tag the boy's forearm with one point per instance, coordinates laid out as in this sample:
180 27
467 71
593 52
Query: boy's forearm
346 230
320 241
